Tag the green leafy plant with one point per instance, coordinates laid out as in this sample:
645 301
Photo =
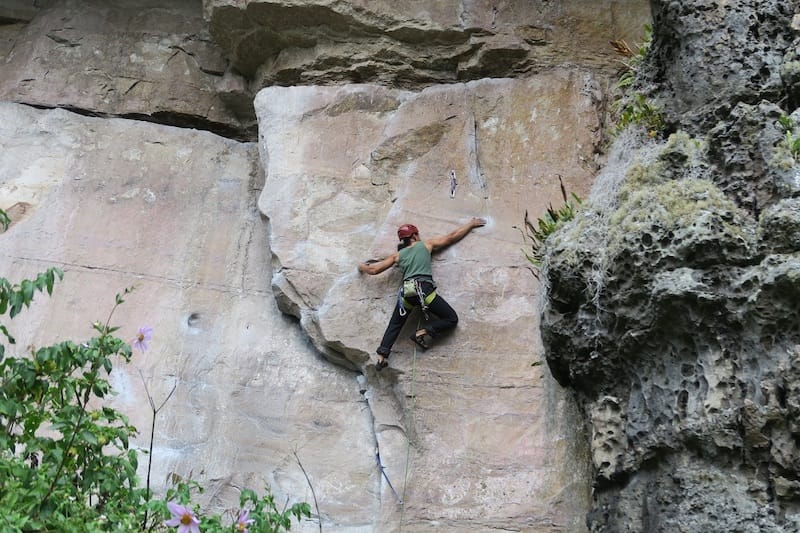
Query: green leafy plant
633 107
65 461
536 234
5 222
255 513
633 58
638 110
790 140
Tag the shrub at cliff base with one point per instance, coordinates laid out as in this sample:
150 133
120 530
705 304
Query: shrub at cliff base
65 457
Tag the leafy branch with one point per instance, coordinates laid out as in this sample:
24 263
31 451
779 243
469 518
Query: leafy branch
14 297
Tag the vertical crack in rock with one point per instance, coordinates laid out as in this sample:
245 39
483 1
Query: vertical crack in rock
390 455
476 177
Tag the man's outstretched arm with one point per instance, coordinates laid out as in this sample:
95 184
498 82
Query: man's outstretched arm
378 266
437 243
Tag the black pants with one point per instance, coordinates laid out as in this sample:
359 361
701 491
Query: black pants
445 319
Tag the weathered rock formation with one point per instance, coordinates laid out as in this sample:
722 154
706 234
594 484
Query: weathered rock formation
118 203
415 43
142 59
672 302
244 253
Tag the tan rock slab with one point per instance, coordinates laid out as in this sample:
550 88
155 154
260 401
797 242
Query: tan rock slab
483 438
118 203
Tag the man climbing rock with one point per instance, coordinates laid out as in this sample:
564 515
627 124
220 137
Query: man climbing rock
418 289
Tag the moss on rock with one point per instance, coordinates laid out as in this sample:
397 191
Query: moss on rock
677 218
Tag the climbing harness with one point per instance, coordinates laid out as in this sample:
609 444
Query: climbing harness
412 288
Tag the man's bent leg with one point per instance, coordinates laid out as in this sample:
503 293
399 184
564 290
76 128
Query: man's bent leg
446 317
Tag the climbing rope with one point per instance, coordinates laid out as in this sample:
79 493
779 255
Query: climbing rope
453 184
411 421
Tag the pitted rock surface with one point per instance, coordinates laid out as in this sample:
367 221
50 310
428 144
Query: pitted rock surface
710 56
672 297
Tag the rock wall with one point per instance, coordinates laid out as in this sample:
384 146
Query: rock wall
118 203
672 298
129 155
142 59
345 166
416 43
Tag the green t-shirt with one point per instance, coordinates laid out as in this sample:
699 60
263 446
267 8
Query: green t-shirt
415 261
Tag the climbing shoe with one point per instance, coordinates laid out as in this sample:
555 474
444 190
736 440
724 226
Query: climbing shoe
422 340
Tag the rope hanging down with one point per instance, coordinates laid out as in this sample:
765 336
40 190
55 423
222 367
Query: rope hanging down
411 419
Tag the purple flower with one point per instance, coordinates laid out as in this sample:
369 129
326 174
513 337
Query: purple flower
243 521
144 336
183 517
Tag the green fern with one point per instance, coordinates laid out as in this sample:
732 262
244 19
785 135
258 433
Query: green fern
634 108
639 110
633 58
537 233
790 140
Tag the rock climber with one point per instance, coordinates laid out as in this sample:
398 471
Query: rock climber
418 290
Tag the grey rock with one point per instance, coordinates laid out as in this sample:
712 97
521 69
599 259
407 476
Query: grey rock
709 56
672 297
415 44
148 60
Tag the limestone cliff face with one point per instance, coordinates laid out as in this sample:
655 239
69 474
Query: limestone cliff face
243 240
672 302
346 166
